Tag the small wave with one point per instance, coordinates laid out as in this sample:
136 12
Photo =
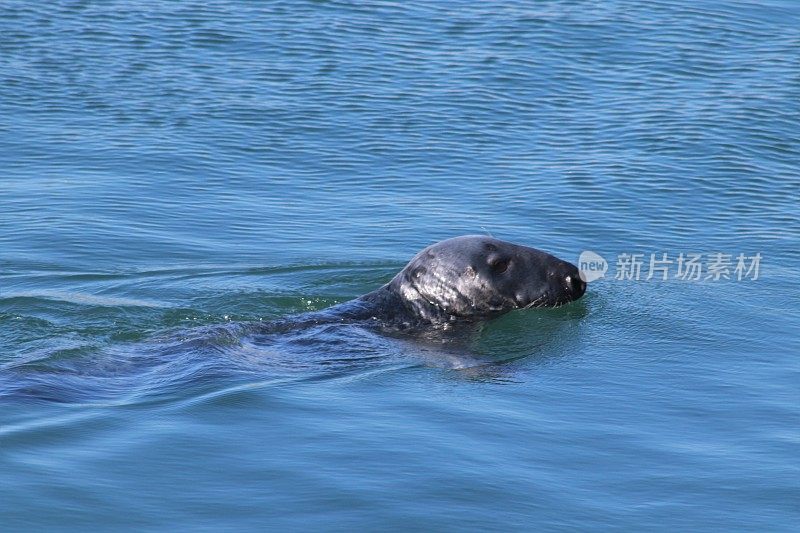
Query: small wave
77 298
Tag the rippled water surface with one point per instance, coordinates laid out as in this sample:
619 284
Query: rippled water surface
172 172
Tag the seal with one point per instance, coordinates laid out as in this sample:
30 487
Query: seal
449 288
467 279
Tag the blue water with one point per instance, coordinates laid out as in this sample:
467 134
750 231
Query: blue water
171 171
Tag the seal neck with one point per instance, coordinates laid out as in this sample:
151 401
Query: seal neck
394 304
416 305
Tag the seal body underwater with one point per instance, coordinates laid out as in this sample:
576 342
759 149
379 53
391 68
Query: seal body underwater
465 279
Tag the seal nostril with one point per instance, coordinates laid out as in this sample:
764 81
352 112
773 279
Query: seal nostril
580 288
575 284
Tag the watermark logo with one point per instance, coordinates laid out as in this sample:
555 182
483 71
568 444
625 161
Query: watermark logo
591 266
663 266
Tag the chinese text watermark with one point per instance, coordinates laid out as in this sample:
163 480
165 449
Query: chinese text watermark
663 266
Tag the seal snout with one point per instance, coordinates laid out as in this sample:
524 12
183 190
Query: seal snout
568 282
575 285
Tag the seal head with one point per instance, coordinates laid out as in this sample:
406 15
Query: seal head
478 277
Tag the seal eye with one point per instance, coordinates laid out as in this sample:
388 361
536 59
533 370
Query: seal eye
498 265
